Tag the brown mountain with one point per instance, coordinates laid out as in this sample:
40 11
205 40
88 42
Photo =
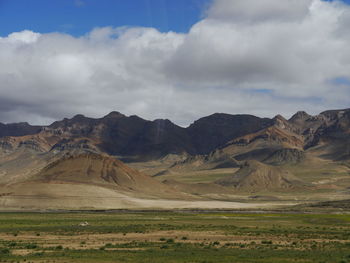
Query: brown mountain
82 181
118 134
96 169
255 176
327 134
242 136
71 164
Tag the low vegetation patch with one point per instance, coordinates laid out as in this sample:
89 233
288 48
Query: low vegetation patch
175 237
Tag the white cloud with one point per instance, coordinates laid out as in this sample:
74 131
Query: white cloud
260 57
257 11
24 37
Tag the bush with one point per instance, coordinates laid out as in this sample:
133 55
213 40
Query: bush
31 246
170 240
4 251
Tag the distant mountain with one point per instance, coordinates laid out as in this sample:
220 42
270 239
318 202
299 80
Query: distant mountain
77 163
328 133
18 129
244 136
209 133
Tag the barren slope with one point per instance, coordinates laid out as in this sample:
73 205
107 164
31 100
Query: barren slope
82 181
255 176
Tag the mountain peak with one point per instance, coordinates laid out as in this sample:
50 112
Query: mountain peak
162 121
279 117
114 114
78 117
280 121
300 115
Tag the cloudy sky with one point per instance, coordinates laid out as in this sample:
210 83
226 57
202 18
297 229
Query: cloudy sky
179 60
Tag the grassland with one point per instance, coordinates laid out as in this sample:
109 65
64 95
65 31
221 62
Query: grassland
174 237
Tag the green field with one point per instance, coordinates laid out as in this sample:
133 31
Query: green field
174 237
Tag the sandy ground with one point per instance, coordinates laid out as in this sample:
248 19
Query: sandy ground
92 197
171 204
125 202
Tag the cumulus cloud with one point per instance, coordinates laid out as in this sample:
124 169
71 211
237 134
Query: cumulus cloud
260 57
257 11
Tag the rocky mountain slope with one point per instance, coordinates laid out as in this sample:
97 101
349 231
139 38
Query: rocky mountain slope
102 170
117 134
218 156
83 181
255 176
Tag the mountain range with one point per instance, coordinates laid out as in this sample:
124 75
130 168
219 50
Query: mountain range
218 157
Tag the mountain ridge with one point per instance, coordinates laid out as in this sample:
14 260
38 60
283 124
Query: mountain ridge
121 135
120 161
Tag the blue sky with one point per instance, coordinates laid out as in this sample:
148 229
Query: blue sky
78 17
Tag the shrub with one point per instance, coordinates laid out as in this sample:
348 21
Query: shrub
170 240
4 251
31 246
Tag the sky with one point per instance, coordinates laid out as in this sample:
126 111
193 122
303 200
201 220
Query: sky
178 60
78 17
